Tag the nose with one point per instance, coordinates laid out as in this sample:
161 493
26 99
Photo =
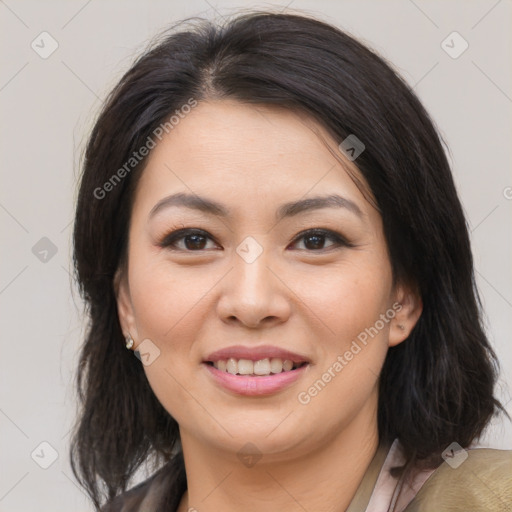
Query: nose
253 295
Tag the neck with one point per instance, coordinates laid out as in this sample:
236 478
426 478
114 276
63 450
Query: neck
324 479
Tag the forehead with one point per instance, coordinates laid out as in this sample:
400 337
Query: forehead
248 153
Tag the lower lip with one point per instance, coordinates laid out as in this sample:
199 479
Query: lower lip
255 386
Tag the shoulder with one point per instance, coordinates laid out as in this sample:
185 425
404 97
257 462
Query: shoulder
476 479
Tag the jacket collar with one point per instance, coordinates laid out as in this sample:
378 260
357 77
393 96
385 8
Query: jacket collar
364 491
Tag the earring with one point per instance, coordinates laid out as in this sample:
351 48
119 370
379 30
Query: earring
401 327
129 342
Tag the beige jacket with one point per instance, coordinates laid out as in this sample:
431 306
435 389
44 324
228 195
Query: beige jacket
476 479
480 480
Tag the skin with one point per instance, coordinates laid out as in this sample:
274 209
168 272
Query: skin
307 298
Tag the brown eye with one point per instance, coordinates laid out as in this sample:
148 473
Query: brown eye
315 240
186 240
194 241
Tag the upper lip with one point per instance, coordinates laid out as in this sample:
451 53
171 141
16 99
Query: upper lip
255 354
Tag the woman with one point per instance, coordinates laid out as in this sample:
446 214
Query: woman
267 219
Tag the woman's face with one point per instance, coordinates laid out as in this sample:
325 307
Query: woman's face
268 268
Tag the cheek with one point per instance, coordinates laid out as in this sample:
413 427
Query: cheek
350 358
168 309
353 354
166 300
346 299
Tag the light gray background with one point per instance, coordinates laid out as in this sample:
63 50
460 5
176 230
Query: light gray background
48 106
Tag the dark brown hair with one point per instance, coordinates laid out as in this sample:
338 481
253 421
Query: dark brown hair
437 386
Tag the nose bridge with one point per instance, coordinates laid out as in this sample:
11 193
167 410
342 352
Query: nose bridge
252 276
253 293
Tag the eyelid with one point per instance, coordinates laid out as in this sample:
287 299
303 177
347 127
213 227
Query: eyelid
328 233
179 233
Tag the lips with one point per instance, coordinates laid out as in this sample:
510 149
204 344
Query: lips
255 371
255 354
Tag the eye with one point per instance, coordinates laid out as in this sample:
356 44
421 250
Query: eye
193 240
314 239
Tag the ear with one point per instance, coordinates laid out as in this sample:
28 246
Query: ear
124 305
408 307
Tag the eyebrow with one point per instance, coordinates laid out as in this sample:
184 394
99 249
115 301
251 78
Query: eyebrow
291 209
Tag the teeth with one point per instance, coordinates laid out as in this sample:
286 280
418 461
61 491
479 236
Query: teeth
262 367
247 367
232 366
276 365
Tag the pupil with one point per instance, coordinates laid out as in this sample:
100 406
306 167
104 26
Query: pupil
316 245
197 241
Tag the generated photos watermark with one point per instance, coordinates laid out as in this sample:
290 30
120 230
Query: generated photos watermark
341 361
143 151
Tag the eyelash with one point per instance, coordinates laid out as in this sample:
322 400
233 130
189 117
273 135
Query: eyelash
171 238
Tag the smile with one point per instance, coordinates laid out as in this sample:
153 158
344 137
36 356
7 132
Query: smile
253 370
260 368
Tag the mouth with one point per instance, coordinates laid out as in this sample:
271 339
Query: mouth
255 370
259 368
